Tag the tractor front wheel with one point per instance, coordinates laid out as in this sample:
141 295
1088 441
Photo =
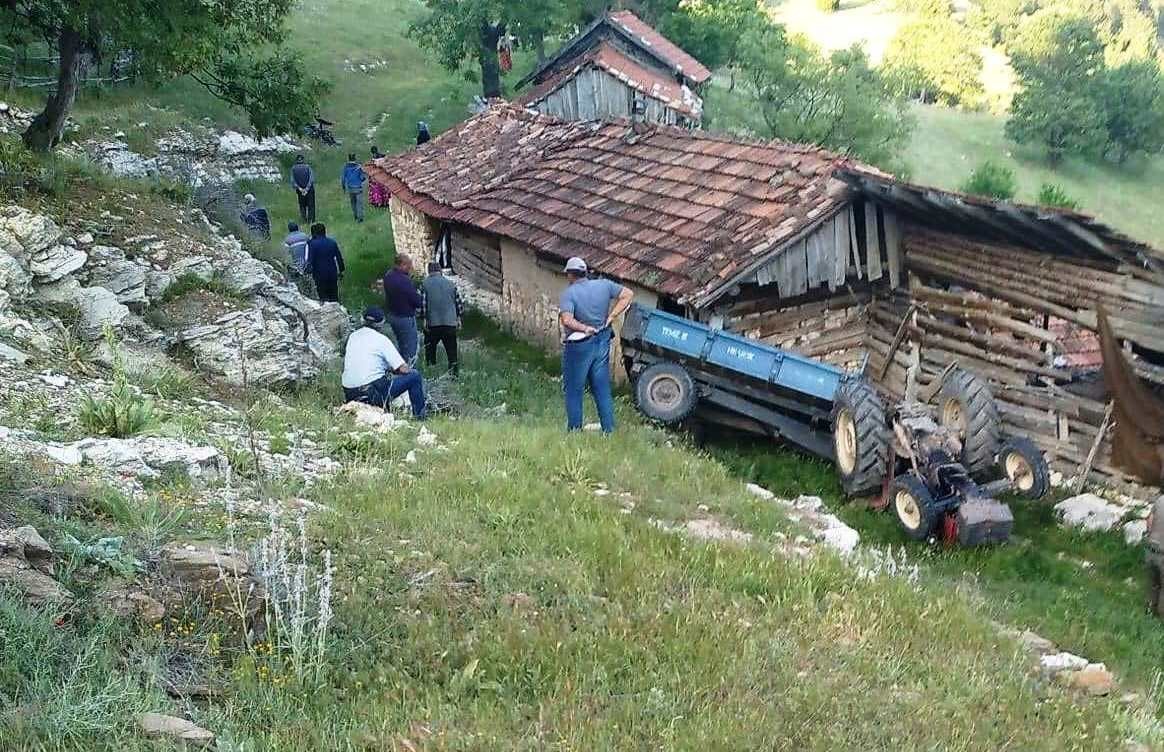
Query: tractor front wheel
860 437
913 505
966 407
665 392
1021 462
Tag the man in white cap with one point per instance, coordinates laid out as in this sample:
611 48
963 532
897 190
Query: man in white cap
587 308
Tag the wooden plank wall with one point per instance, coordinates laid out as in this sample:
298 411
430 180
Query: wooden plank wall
832 329
860 242
594 94
477 258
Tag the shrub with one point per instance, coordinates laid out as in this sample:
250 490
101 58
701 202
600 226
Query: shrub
991 180
120 413
1054 195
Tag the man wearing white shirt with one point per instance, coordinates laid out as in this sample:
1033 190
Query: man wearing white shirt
374 372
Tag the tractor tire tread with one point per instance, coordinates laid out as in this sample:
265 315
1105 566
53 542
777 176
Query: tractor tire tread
983 423
868 412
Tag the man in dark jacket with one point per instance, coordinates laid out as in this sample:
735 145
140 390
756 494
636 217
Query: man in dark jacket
303 181
325 262
352 182
402 301
441 308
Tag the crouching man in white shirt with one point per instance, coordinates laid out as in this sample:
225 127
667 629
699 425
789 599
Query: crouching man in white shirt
374 372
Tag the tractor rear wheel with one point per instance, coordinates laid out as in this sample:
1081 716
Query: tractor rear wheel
913 505
966 406
860 437
665 392
1021 462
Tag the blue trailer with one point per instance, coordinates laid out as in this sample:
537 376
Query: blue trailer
925 460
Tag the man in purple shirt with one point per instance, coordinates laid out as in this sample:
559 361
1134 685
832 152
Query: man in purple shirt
402 301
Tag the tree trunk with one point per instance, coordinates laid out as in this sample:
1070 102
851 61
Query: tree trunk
540 47
45 131
490 34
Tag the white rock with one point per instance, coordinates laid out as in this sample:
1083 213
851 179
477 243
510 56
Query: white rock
841 538
108 267
12 355
1135 531
198 266
1053 663
56 262
156 284
180 730
370 416
149 457
425 437
85 238
64 455
55 379
1089 512
410 458
246 274
24 233
99 308
760 492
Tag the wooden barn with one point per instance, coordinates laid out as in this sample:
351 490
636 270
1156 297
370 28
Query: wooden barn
612 64
795 246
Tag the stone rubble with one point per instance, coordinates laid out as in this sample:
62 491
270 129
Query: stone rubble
26 566
176 729
811 512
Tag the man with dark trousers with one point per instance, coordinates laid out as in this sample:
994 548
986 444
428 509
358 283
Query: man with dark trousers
325 262
402 301
374 372
441 308
303 181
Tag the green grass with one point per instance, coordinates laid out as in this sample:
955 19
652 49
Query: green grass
487 598
1085 592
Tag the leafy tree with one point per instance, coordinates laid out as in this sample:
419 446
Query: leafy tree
1132 102
456 30
1000 19
828 6
839 102
1059 62
229 46
992 181
712 30
1054 196
933 59
928 8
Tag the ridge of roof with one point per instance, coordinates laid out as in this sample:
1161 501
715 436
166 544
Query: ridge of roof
607 57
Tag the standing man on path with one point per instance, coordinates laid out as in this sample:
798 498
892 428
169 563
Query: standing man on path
402 301
352 182
442 309
325 262
587 308
303 181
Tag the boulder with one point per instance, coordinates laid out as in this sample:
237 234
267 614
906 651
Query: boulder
1089 512
177 729
120 160
131 601
15 280
215 573
1135 531
12 355
24 234
246 274
201 267
150 457
157 283
108 267
26 566
99 308
1053 663
1094 679
56 262
759 492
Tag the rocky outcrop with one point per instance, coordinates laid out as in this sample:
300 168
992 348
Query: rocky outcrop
195 157
109 268
286 338
151 457
26 566
214 573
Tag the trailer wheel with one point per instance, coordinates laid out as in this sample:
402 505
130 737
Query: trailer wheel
860 437
966 406
1021 462
913 505
665 392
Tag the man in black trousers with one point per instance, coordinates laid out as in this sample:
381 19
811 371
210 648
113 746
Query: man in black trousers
303 181
325 262
442 309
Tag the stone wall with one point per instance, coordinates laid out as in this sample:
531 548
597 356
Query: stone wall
415 234
529 300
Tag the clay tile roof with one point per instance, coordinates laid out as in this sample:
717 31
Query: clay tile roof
649 82
663 48
675 211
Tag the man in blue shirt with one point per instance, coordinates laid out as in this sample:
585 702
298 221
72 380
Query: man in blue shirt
402 301
374 372
587 308
325 262
352 182
296 245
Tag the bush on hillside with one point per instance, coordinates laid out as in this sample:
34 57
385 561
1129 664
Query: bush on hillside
1054 196
934 59
122 412
992 181
828 6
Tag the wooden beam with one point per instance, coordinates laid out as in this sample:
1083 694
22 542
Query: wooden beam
853 242
872 242
840 250
893 246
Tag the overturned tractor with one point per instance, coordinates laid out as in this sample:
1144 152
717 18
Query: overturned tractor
937 460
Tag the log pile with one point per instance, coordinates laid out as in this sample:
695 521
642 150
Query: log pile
832 330
478 259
